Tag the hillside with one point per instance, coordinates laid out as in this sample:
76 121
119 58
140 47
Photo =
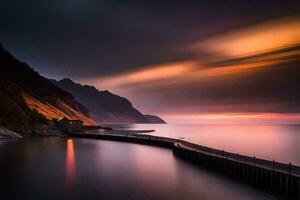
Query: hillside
104 106
28 99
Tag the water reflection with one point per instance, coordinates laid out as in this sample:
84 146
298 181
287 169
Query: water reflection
153 168
108 170
70 165
274 142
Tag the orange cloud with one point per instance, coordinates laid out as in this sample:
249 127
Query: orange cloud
173 74
255 39
232 54
148 74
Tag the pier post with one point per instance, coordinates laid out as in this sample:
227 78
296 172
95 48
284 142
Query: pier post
289 182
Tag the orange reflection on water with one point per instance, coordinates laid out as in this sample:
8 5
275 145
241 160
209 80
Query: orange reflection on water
70 164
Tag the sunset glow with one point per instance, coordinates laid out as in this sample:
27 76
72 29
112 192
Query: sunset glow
246 52
237 118
256 39
150 73
149 99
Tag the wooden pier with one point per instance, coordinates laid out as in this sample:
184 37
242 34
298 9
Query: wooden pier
278 178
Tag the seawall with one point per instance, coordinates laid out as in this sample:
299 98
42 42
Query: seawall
278 178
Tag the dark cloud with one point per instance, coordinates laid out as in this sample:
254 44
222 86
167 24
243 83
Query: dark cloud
86 39
272 89
82 38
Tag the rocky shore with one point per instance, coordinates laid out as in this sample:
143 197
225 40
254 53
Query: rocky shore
4 134
39 131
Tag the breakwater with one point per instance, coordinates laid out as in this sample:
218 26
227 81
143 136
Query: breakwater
278 178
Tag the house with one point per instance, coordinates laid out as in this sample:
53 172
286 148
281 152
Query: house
70 126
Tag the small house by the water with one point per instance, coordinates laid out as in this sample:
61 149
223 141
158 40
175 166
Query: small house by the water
69 126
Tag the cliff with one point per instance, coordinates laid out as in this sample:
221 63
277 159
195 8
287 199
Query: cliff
104 106
27 99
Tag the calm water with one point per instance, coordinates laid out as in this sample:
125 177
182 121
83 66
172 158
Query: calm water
56 168
281 143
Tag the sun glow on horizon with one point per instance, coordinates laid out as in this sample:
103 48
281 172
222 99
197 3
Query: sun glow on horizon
242 54
236 118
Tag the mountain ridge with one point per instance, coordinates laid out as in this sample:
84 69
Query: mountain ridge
105 107
25 97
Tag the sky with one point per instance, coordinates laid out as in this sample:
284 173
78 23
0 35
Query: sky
182 60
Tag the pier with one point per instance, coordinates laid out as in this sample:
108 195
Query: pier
274 177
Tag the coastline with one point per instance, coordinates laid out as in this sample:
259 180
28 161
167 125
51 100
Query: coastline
283 179
43 130
51 130
7 134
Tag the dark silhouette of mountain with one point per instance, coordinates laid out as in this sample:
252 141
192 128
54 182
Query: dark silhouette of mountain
104 106
154 119
28 99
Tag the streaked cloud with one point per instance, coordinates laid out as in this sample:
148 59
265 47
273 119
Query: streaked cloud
256 39
148 74
232 77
